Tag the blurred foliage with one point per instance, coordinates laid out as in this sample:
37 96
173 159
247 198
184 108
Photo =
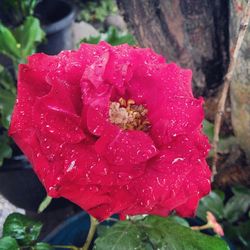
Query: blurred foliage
232 213
112 36
213 203
21 41
7 97
5 149
208 129
92 11
16 44
225 144
13 12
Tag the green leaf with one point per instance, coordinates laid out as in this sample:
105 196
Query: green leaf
7 101
156 233
8 43
124 235
44 204
238 204
8 243
113 37
5 149
238 234
213 203
92 40
43 246
97 10
179 220
208 129
28 35
23 229
7 96
6 80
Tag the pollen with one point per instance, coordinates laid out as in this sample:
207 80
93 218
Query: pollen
128 115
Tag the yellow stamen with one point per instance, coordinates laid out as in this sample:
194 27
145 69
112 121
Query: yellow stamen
128 115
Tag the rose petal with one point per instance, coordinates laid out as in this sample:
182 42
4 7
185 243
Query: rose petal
121 147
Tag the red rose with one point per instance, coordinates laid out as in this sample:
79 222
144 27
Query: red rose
113 129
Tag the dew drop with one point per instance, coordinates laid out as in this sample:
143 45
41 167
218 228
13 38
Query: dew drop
177 159
71 166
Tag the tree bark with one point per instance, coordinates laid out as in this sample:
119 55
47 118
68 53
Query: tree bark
240 86
193 33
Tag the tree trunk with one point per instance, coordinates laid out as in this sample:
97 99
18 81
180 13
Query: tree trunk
193 33
240 86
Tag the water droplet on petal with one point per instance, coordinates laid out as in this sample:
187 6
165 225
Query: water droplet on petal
71 166
177 159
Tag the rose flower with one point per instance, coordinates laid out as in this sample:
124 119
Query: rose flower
114 129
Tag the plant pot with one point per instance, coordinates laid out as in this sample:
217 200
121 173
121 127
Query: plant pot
56 18
20 186
73 231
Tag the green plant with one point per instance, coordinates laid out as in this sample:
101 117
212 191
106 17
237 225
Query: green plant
112 36
20 232
232 213
96 10
14 12
155 232
150 232
15 43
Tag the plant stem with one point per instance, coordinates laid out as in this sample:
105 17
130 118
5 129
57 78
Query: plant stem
203 227
68 247
92 230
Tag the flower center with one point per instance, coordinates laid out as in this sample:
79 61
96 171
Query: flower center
128 115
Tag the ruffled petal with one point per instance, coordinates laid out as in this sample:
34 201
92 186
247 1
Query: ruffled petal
61 122
125 147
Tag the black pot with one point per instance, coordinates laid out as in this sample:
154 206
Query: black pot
20 186
56 17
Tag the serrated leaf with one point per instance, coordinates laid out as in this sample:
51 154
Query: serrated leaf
237 205
165 234
156 233
124 235
21 228
43 246
8 243
28 35
213 203
8 43
5 149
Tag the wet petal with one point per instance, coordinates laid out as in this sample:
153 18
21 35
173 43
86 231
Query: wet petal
61 122
121 147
